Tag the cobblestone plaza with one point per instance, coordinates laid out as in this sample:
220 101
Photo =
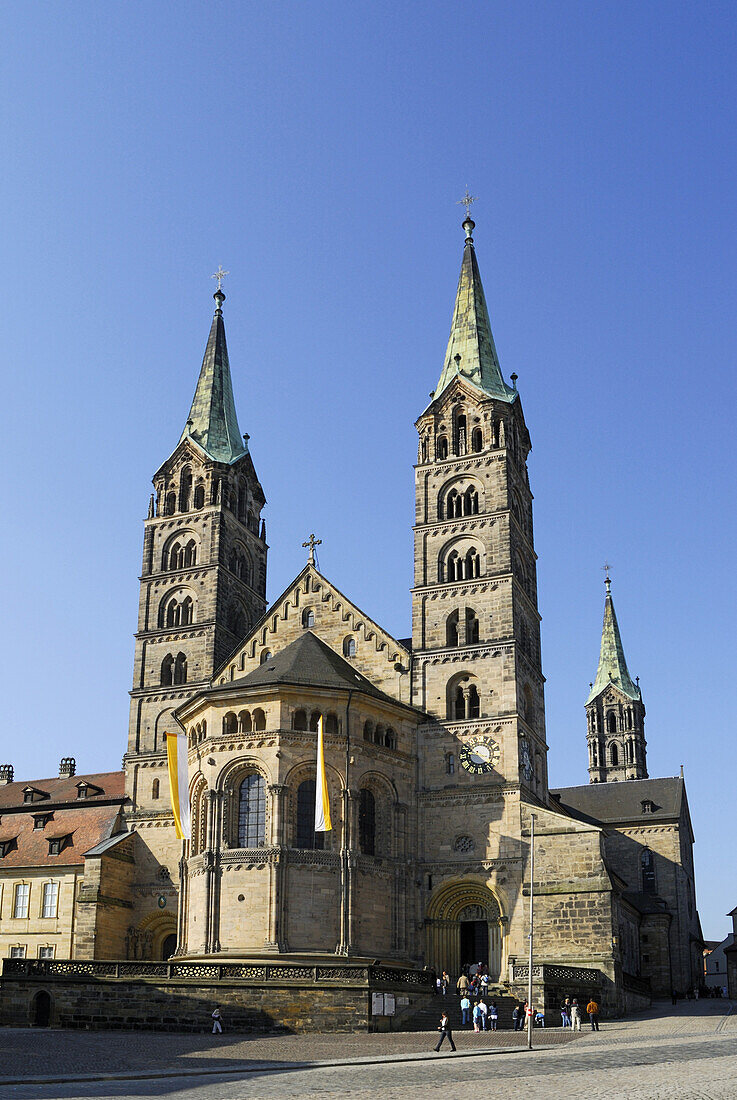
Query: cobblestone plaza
688 1052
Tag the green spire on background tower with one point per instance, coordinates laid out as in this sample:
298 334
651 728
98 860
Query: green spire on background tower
212 421
612 664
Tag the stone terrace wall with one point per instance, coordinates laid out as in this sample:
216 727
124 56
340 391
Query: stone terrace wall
144 996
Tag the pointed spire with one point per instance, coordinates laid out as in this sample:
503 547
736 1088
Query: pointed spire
212 420
612 664
471 352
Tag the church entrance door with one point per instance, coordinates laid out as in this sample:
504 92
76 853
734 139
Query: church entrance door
474 942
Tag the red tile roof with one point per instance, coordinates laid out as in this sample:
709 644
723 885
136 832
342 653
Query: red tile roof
63 789
88 825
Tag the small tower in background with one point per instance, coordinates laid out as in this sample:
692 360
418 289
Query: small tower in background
614 710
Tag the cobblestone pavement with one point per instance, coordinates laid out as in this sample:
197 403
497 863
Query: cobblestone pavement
684 1053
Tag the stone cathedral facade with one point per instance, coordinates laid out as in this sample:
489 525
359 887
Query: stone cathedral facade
435 745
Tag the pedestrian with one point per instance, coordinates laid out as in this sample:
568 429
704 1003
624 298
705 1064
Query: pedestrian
575 1016
465 1010
445 982
445 1033
593 1010
477 1017
540 1017
493 1015
217 1022
565 1012
484 1014
515 1017
484 983
462 985
523 1017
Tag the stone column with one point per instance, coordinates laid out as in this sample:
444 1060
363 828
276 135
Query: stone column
275 934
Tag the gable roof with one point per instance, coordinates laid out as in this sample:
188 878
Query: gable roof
111 787
307 662
611 803
87 825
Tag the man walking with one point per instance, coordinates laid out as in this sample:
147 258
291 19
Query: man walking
593 1010
217 1024
445 1033
575 1016
462 985
465 1010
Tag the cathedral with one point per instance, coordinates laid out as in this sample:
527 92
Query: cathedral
435 745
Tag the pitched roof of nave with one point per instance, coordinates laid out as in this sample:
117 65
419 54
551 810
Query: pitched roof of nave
616 803
308 662
612 664
471 353
212 421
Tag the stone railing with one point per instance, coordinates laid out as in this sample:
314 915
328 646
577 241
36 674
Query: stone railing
552 974
261 973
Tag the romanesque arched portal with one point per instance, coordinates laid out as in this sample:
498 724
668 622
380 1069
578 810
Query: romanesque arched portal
464 925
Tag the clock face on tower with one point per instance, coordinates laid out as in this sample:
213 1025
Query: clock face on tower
480 755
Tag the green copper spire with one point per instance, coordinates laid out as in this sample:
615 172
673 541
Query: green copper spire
612 665
212 420
471 353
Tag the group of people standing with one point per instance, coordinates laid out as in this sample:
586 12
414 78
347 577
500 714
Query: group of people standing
570 1014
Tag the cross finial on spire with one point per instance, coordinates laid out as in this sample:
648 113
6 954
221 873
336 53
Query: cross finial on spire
466 201
606 568
312 542
220 275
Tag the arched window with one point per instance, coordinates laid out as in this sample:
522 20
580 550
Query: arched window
244 722
390 739
368 731
471 502
366 822
299 720
611 722
199 495
230 724
477 440
266 655
314 720
473 564
252 812
306 835
167 670
613 755
379 735
331 723
259 720
460 435
442 448
472 627
186 613
647 862
455 566
171 503
473 702
175 556
452 504
349 647
190 553
451 629
155 789
185 489
241 501
459 708
180 669
450 763
308 618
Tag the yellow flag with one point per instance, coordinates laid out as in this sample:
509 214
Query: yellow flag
322 801
176 756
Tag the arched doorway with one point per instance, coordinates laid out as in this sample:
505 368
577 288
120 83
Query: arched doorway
41 1015
169 946
464 925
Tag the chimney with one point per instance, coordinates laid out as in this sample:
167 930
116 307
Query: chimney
6 773
67 767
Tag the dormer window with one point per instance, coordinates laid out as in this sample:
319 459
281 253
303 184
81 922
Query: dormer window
41 820
82 790
647 806
57 844
85 790
7 846
33 794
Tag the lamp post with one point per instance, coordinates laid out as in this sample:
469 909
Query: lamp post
532 913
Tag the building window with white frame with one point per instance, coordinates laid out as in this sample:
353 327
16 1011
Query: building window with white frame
50 899
18 952
46 952
20 902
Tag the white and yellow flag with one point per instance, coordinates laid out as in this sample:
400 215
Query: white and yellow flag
176 755
322 801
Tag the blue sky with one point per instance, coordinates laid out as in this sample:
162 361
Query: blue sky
317 151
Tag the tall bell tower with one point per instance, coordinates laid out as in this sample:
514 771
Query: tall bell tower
475 622
203 579
615 713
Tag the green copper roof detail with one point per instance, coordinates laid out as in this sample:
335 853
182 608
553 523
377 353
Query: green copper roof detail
471 353
212 421
612 664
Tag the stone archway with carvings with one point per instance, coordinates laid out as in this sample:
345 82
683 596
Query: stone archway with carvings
148 939
457 912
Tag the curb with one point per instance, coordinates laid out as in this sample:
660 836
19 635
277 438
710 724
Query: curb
263 1067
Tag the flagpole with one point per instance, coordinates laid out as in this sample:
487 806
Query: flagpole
529 964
